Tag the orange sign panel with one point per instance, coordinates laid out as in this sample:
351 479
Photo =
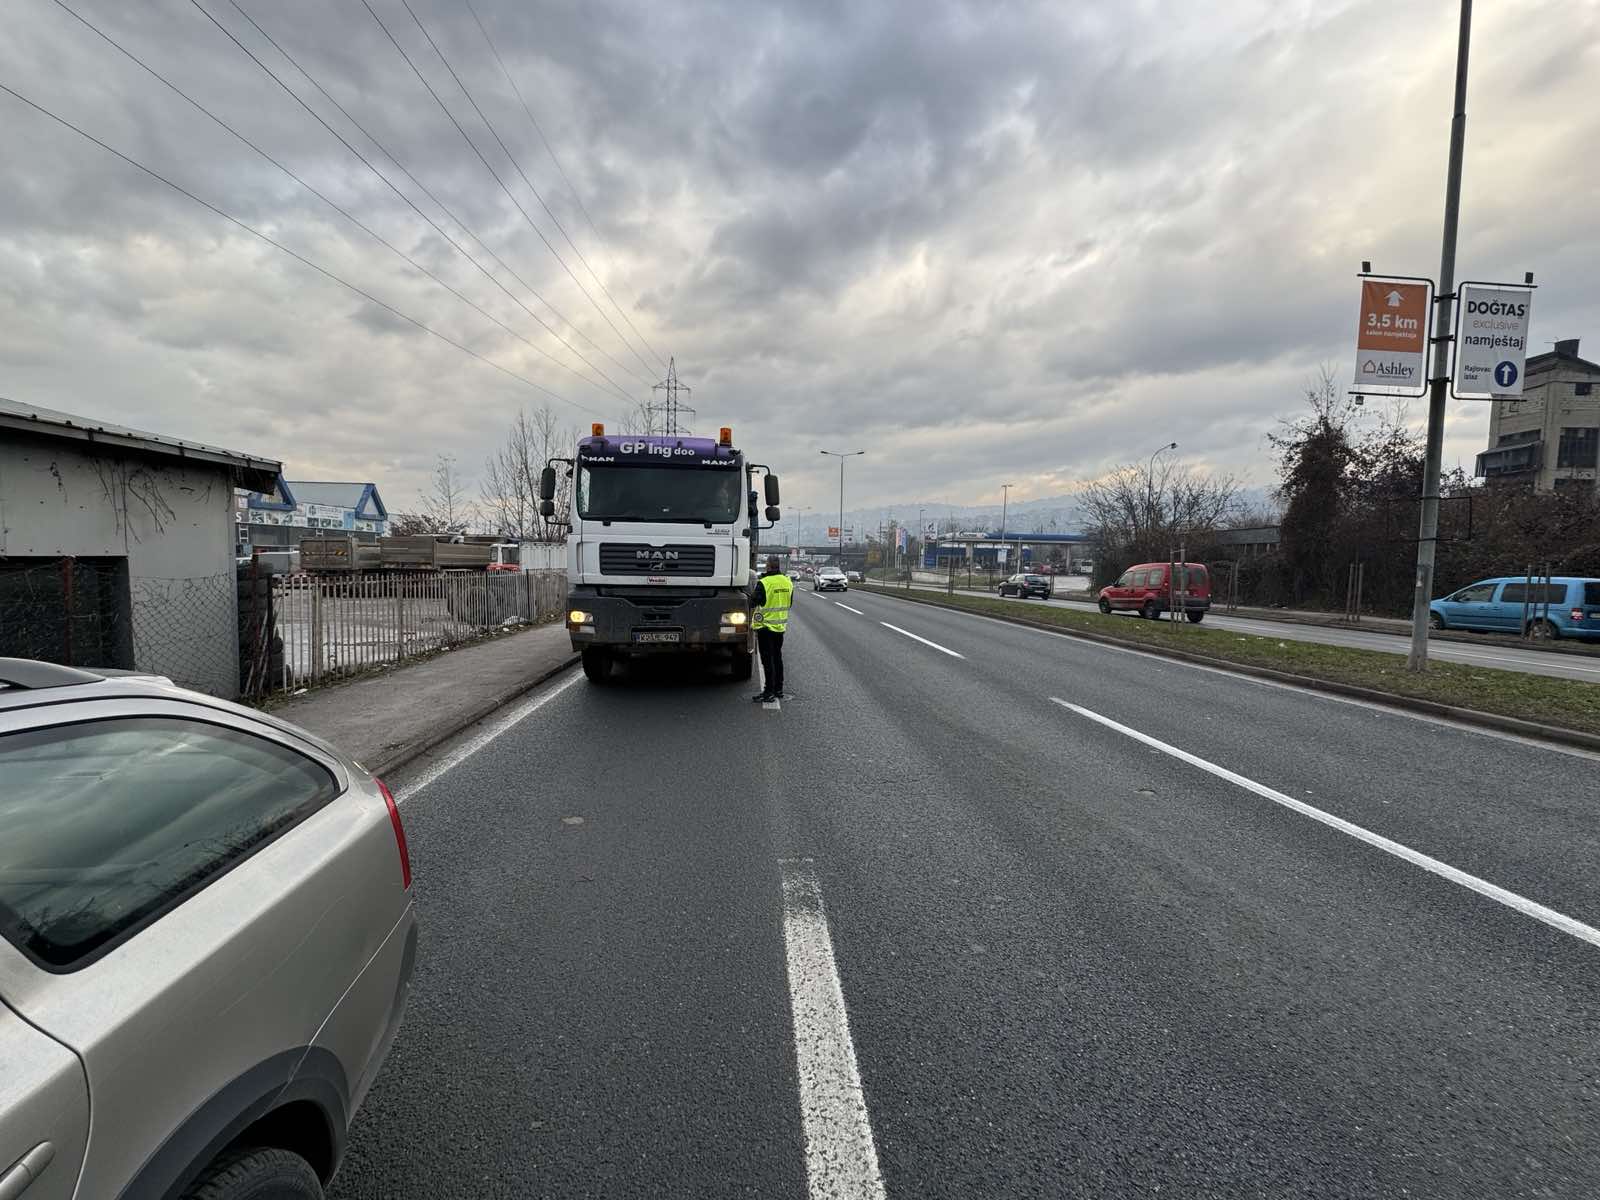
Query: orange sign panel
1392 336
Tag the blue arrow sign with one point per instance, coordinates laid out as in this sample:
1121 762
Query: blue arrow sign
1505 373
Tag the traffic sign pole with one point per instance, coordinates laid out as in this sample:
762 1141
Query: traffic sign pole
1428 524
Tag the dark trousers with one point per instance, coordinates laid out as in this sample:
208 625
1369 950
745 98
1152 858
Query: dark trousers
770 643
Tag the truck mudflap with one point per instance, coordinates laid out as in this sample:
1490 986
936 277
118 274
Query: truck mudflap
647 624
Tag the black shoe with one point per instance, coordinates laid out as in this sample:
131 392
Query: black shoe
780 696
762 698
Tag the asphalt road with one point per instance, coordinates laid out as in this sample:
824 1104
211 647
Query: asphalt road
991 913
1488 654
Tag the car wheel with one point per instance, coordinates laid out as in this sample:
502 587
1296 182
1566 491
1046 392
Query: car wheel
1105 606
257 1174
1544 631
1150 611
1435 621
597 664
1195 617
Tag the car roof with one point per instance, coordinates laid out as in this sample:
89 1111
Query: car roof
29 683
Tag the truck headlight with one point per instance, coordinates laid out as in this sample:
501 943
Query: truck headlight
577 617
735 618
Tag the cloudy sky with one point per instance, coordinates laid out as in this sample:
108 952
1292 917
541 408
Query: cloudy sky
985 241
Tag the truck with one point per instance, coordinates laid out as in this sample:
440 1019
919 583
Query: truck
661 547
418 552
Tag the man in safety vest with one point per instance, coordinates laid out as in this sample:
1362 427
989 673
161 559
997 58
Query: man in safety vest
771 597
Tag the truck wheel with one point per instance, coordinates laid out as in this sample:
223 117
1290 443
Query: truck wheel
744 665
597 664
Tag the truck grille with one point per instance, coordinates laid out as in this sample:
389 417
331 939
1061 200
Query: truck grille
638 559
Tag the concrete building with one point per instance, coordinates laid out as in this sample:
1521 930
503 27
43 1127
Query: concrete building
1551 437
117 547
300 508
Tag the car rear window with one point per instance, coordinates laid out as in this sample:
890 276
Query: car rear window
106 825
1591 593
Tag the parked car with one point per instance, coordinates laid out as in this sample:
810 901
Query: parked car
1024 585
830 579
1147 591
1565 606
206 941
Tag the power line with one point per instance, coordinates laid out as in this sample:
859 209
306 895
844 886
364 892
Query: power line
550 150
357 222
277 245
489 275
445 208
483 159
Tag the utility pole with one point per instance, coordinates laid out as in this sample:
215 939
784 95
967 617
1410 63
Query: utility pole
841 455
672 411
1428 525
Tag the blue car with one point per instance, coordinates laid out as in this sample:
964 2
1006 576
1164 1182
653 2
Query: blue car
1561 607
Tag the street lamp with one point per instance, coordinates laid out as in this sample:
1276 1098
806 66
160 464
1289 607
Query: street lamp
1005 498
1149 483
798 531
841 455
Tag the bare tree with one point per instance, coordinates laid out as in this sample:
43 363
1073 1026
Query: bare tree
1143 513
444 504
510 480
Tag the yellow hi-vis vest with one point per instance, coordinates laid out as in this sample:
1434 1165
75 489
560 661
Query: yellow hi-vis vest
774 614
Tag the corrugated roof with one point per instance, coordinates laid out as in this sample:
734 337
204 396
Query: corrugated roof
248 470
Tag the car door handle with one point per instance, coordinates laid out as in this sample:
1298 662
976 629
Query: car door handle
25 1170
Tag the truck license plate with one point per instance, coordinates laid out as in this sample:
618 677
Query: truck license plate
657 635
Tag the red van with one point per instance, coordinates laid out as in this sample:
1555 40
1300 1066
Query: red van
1146 590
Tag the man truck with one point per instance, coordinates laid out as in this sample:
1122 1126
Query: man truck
661 548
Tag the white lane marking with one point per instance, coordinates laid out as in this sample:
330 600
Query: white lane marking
1521 904
841 1159
1311 693
483 737
923 640
847 608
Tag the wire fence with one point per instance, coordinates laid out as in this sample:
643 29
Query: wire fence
327 627
252 633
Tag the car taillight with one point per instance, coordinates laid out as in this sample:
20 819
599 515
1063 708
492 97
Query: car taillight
399 833
1576 614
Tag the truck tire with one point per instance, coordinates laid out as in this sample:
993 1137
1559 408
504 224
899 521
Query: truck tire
597 664
744 665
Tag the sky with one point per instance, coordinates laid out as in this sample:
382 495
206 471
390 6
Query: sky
987 242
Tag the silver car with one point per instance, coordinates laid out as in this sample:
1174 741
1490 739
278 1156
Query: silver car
206 941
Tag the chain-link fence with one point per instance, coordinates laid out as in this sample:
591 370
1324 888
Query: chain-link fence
327 627
87 612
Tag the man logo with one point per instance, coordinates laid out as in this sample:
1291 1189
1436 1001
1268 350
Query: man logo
653 554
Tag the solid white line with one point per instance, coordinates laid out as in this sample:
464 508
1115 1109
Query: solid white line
923 640
1521 904
841 1159
483 737
847 608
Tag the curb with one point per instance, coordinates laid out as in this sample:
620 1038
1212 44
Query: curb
406 756
1555 734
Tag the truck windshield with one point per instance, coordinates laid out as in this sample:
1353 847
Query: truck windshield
658 494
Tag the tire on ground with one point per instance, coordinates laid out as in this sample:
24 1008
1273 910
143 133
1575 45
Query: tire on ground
254 1173
744 665
597 664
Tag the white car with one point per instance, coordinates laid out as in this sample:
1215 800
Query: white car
830 579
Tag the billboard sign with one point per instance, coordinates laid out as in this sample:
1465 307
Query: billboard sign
1491 341
1392 336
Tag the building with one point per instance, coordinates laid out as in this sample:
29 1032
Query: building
1551 437
295 509
117 547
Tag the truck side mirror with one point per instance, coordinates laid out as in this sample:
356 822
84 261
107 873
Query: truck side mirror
772 492
547 508
773 514
547 487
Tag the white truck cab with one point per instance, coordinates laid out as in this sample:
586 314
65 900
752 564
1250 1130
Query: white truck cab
662 546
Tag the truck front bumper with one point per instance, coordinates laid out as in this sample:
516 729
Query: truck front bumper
653 623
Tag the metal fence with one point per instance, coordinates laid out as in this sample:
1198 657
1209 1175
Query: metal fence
327 627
